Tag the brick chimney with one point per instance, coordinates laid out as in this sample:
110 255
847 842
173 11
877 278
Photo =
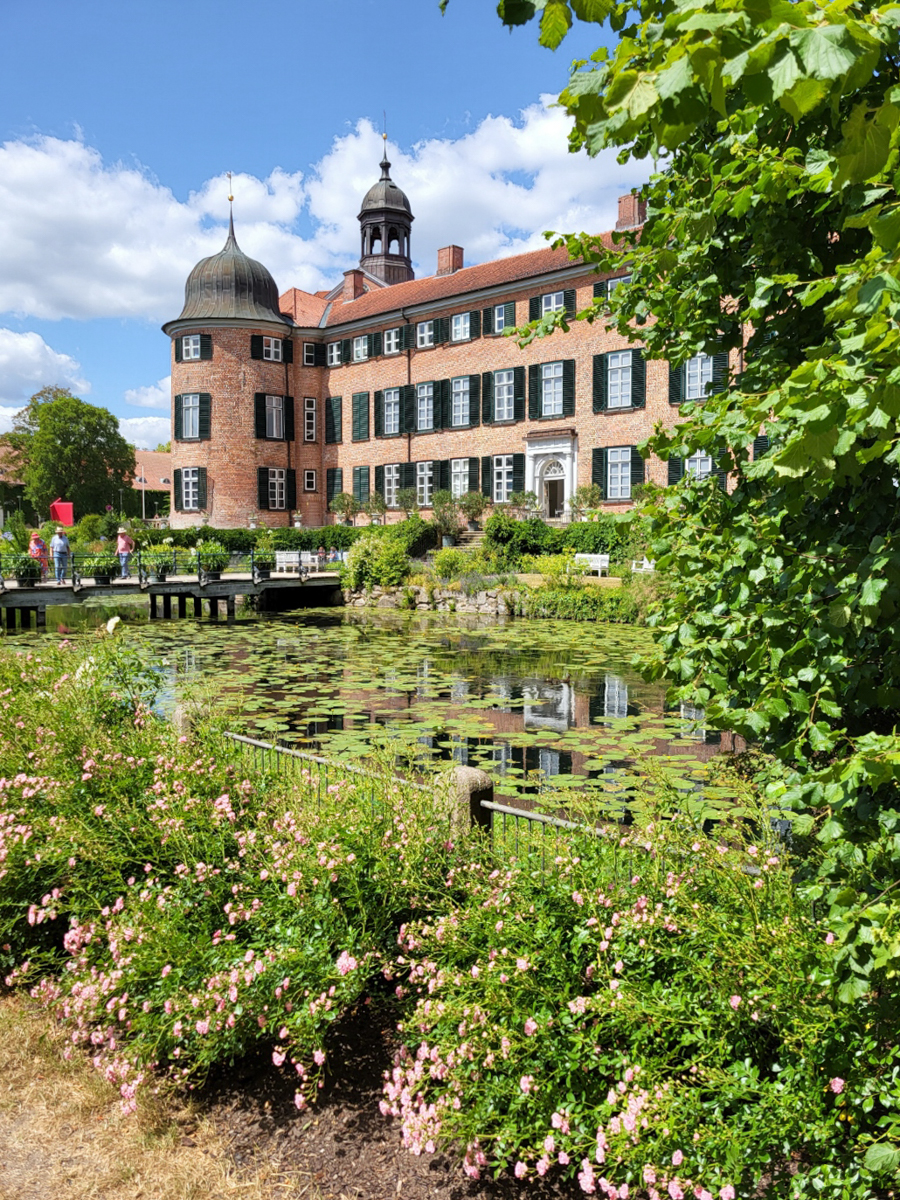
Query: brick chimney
354 285
450 259
632 212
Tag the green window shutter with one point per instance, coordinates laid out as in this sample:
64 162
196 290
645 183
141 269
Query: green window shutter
518 474
518 393
262 487
637 469
601 289
534 308
598 468
408 408
379 417
719 372
760 446
346 350
487 320
204 417
487 476
408 337
379 481
288 421
722 473
475 323
509 314
442 475
179 419
445 418
256 345
333 419
360 416
599 382
179 346
334 483
676 384
259 414
569 303
287 355
441 330
487 398
361 484
376 344
568 387
638 379
201 487
535 392
176 488
205 346
290 488
320 354
407 475
474 399
676 469
473 474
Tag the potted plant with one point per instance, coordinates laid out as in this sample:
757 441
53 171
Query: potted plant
375 508
264 552
101 567
346 507
445 515
25 569
158 563
212 557
407 501
586 497
472 506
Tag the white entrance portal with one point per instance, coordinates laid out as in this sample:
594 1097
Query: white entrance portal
551 471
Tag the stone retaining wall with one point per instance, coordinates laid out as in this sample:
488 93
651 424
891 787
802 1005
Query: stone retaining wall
493 602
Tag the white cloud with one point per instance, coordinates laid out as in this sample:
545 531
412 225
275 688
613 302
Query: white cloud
145 432
28 364
156 395
83 238
7 416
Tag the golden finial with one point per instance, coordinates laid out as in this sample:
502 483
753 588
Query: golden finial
230 197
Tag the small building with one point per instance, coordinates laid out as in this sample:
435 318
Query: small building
280 402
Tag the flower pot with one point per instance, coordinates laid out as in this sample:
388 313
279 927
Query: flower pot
447 540
103 580
473 526
264 572
159 576
213 575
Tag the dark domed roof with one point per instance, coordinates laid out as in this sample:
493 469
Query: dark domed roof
385 194
229 284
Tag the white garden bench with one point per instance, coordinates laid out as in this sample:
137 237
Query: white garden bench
287 560
594 562
309 559
642 566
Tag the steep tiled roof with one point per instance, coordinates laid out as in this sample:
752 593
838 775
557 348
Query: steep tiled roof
154 466
303 307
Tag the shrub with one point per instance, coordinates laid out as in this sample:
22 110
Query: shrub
449 563
22 567
376 561
510 539
578 604
90 528
212 554
104 563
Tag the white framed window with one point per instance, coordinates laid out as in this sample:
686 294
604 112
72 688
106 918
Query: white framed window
459 328
272 349
699 465
552 302
698 373
618 473
190 347
190 416
424 334
503 477
504 397
275 417
424 483
309 354
277 488
360 348
190 488
614 283
425 402
392 341
391 410
334 354
618 380
615 697
499 318
391 484
309 481
309 419
552 389
459 476
460 388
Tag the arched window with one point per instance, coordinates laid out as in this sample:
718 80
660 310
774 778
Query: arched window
395 243
375 241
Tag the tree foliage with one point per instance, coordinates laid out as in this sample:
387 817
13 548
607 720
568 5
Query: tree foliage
64 447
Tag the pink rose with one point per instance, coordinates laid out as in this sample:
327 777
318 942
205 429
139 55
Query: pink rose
837 1085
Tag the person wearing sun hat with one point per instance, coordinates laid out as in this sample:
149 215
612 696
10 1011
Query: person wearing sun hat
37 548
124 549
59 548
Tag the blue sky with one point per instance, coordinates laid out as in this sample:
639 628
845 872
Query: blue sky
119 121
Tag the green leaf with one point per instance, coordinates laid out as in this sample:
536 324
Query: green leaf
824 50
784 74
881 1158
592 10
803 97
675 78
515 12
555 23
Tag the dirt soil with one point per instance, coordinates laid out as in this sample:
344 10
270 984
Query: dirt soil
62 1135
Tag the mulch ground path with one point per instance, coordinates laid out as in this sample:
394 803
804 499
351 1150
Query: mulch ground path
344 1147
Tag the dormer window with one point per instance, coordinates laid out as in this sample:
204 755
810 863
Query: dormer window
272 349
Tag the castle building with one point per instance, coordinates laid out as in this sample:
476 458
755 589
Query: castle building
389 382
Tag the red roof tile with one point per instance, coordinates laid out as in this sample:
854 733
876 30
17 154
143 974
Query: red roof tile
154 466
303 307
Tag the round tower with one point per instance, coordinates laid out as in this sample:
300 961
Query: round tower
234 448
385 221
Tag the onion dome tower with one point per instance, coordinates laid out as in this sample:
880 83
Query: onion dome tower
385 221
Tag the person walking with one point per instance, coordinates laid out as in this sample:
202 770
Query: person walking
59 548
124 549
37 548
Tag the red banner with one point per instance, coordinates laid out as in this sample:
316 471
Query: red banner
62 512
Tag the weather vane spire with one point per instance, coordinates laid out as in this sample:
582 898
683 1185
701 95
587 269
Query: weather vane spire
230 205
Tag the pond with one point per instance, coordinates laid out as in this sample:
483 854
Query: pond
546 707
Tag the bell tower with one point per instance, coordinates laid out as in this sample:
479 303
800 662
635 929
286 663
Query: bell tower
385 221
